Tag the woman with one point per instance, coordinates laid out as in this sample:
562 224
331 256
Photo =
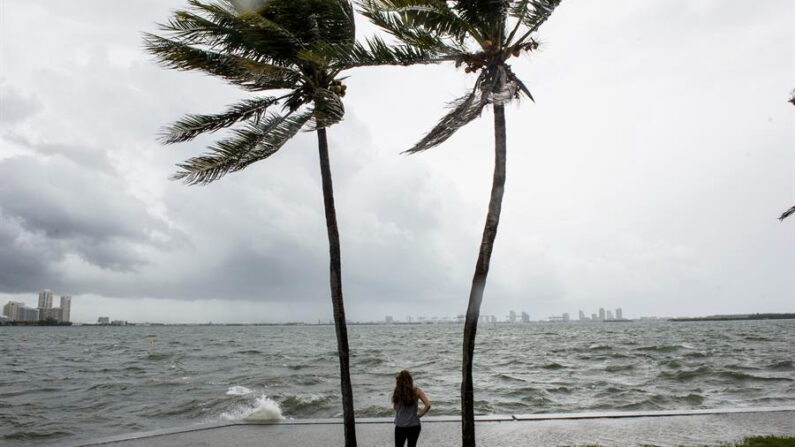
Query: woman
407 414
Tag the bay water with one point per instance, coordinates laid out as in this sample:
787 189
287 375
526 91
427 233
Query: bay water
65 384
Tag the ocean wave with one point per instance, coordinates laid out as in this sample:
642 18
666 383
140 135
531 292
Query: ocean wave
553 365
304 403
662 348
237 390
261 410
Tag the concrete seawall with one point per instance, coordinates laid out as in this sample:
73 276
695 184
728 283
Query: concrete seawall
660 428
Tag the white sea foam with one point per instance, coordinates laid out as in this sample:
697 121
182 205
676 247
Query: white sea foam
263 409
237 390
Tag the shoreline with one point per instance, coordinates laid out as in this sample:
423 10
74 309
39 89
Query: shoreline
671 427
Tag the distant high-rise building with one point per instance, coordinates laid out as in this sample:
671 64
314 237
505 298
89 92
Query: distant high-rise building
601 314
594 317
11 310
45 299
582 316
566 317
66 308
103 320
512 317
16 311
389 319
610 315
408 319
619 314
494 319
525 317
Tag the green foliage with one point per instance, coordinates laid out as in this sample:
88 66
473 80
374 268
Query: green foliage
292 45
479 35
755 441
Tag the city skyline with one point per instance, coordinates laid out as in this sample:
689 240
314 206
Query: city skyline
18 311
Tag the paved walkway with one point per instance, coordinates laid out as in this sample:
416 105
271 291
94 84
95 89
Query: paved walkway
667 428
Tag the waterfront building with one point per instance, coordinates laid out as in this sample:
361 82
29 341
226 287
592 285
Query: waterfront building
28 314
566 317
525 317
51 313
16 311
619 314
594 317
11 310
45 299
601 314
582 316
494 319
610 315
66 308
389 319
103 320
512 317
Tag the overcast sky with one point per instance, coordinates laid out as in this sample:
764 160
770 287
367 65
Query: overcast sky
648 175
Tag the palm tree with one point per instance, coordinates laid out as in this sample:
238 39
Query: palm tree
480 35
269 48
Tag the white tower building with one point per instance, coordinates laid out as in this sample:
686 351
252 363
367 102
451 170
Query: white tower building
45 299
66 307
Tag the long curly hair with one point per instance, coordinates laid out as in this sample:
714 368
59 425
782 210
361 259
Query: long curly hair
405 393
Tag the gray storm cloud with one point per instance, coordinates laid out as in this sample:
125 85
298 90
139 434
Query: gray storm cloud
647 175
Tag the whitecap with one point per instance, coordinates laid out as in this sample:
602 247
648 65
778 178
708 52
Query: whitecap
263 409
237 390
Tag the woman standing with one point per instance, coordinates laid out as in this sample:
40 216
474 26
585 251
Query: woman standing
407 413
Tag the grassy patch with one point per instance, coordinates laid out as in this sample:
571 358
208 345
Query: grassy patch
756 441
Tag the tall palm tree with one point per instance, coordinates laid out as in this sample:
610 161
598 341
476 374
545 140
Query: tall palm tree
272 47
481 36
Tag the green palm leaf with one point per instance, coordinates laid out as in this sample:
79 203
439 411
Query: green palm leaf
256 141
193 125
464 110
239 70
328 110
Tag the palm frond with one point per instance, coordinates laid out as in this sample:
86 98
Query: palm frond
219 26
399 25
434 16
256 141
193 125
787 213
486 15
522 87
328 109
242 71
533 13
372 51
464 110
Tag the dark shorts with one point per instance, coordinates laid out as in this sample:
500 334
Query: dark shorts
402 434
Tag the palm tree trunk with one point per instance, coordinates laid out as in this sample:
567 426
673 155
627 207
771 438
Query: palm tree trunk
335 270
479 278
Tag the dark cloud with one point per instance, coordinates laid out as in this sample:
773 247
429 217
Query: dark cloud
648 175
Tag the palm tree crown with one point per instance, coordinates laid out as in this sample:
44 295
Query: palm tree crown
480 35
258 49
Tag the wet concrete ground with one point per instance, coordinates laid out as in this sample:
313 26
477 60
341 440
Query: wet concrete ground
691 428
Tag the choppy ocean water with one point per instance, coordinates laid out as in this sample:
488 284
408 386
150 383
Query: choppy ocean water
67 384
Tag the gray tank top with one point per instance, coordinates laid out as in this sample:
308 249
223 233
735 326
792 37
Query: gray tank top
406 415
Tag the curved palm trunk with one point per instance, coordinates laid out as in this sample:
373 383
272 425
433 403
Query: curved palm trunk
335 269
479 278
